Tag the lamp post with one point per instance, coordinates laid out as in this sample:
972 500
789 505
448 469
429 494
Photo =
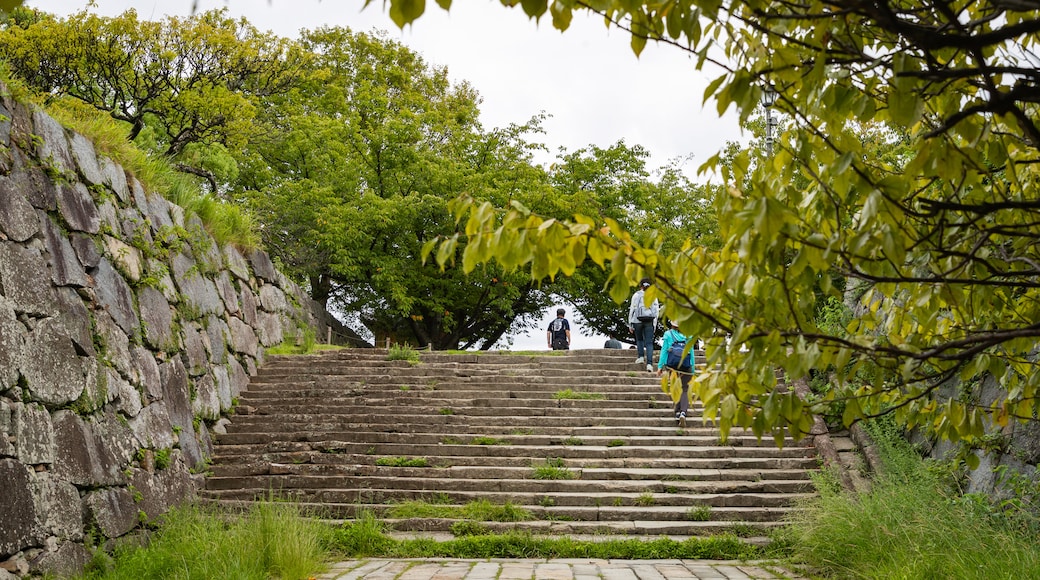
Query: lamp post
768 99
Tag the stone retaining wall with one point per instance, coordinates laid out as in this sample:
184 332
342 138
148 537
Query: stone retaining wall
125 332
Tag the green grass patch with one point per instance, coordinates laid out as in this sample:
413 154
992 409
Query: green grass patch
570 394
403 352
573 441
615 443
484 440
364 538
699 513
480 510
553 468
288 348
403 462
910 525
269 541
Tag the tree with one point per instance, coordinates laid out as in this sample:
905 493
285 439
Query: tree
937 242
188 88
352 174
615 183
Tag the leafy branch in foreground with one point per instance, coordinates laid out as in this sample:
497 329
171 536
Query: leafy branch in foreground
906 189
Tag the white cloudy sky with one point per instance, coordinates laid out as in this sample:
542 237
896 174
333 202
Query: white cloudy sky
595 89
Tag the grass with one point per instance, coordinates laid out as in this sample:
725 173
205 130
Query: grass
403 352
570 394
289 348
365 538
700 513
482 510
485 440
270 541
403 462
553 468
226 222
911 525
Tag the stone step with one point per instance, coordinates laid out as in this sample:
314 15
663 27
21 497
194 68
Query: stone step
565 452
667 438
712 507
421 479
315 428
260 463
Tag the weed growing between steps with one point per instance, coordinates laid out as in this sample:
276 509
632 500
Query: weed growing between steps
568 394
403 352
482 510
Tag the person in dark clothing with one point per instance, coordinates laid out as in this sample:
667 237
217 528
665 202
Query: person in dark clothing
612 343
558 335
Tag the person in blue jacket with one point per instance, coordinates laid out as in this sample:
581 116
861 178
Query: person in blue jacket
683 365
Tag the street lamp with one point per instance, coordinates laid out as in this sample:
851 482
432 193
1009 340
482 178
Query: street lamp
768 99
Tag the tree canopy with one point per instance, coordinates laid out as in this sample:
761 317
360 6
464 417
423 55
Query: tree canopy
905 187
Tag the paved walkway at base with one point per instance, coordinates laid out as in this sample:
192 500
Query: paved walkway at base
561 569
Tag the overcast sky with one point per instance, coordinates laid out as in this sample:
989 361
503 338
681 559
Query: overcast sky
587 78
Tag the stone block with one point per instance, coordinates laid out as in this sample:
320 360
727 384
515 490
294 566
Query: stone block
199 292
66 560
73 315
219 334
92 452
115 178
53 145
263 267
86 249
152 427
33 434
126 399
156 319
54 373
25 281
269 329
239 377
227 291
21 522
147 374
126 258
243 337
272 299
66 269
206 403
7 448
249 308
33 181
196 349
236 263
58 502
113 510
12 344
159 272
117 343
78 208
17 216
83 153
222 382
163 489
115 296
178 405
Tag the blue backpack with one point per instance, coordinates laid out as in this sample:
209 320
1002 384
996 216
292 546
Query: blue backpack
676 360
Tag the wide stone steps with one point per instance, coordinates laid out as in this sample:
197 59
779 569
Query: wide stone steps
349 431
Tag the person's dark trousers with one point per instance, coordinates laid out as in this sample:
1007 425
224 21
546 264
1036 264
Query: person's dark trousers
644 332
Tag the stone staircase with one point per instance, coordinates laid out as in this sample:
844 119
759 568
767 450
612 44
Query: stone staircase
349 430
